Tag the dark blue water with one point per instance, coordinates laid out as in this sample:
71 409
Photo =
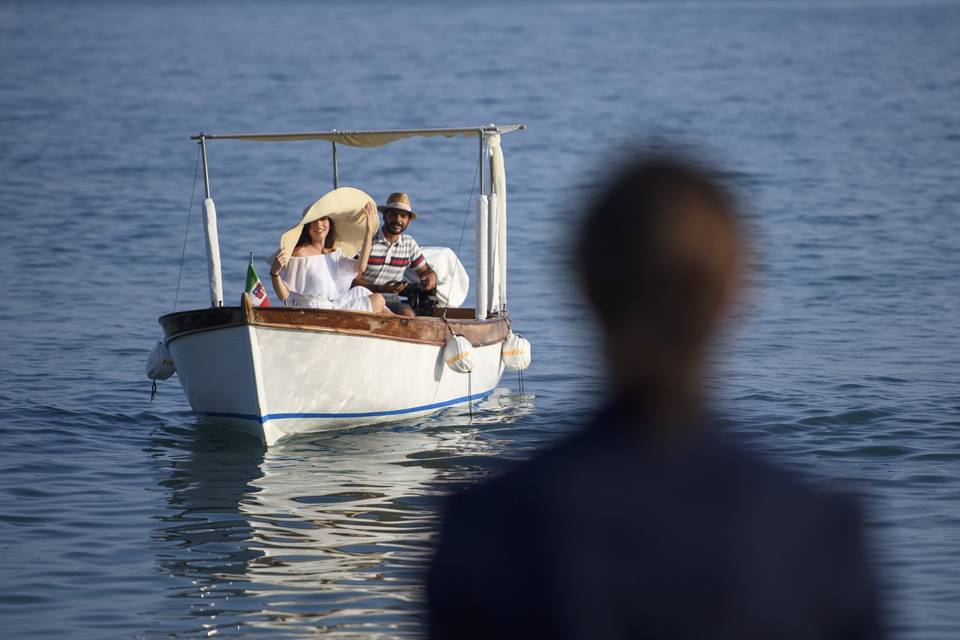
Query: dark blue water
838 124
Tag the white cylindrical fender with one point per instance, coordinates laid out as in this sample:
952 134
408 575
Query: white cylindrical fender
458 354
482 209
160 364
515 352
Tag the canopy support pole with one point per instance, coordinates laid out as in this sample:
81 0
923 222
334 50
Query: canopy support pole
481 165
336 179
206 173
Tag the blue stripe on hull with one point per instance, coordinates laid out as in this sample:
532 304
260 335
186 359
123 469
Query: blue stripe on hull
362 414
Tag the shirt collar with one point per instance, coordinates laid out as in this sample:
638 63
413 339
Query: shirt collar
380 238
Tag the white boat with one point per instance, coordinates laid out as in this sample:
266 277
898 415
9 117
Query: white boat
282 371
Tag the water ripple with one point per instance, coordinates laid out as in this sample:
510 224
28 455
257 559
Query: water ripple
126 518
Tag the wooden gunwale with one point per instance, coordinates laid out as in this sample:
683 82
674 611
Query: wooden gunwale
421 330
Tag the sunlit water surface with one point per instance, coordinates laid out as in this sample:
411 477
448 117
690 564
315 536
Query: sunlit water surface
837 123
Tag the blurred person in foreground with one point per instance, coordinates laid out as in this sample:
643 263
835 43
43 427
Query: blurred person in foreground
647 523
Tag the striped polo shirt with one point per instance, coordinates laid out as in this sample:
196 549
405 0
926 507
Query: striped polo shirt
388 261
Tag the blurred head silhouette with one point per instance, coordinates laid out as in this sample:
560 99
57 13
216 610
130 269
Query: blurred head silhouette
646 523
662 251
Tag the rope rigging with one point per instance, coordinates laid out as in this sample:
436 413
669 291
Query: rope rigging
463 228
186 231
183 252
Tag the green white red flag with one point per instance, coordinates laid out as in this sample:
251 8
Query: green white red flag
255 288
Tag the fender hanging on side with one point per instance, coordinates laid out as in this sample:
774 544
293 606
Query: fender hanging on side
160 364
515 353
458 354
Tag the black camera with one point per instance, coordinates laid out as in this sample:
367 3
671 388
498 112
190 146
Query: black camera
421 300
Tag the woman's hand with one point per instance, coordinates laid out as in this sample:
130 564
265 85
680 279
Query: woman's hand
370 211
279 263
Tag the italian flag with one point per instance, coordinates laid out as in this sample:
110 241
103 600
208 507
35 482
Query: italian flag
255 287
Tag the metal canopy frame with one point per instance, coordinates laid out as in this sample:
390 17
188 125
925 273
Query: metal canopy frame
353 137
344 136
365 139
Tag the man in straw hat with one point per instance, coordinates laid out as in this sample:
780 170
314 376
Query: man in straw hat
392 253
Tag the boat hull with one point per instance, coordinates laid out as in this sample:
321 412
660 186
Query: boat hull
279 374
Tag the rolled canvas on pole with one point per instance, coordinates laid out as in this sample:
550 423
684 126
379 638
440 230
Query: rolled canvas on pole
213 252
498 172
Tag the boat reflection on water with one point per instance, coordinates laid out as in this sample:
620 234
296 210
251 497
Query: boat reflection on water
330 531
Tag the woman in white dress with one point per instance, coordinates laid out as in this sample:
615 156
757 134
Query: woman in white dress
318 276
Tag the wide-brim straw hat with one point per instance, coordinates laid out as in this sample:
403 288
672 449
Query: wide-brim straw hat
399 201
345 207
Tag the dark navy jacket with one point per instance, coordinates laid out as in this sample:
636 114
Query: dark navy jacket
618 534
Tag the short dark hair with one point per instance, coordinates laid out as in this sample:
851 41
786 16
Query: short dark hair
658 251
328 242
